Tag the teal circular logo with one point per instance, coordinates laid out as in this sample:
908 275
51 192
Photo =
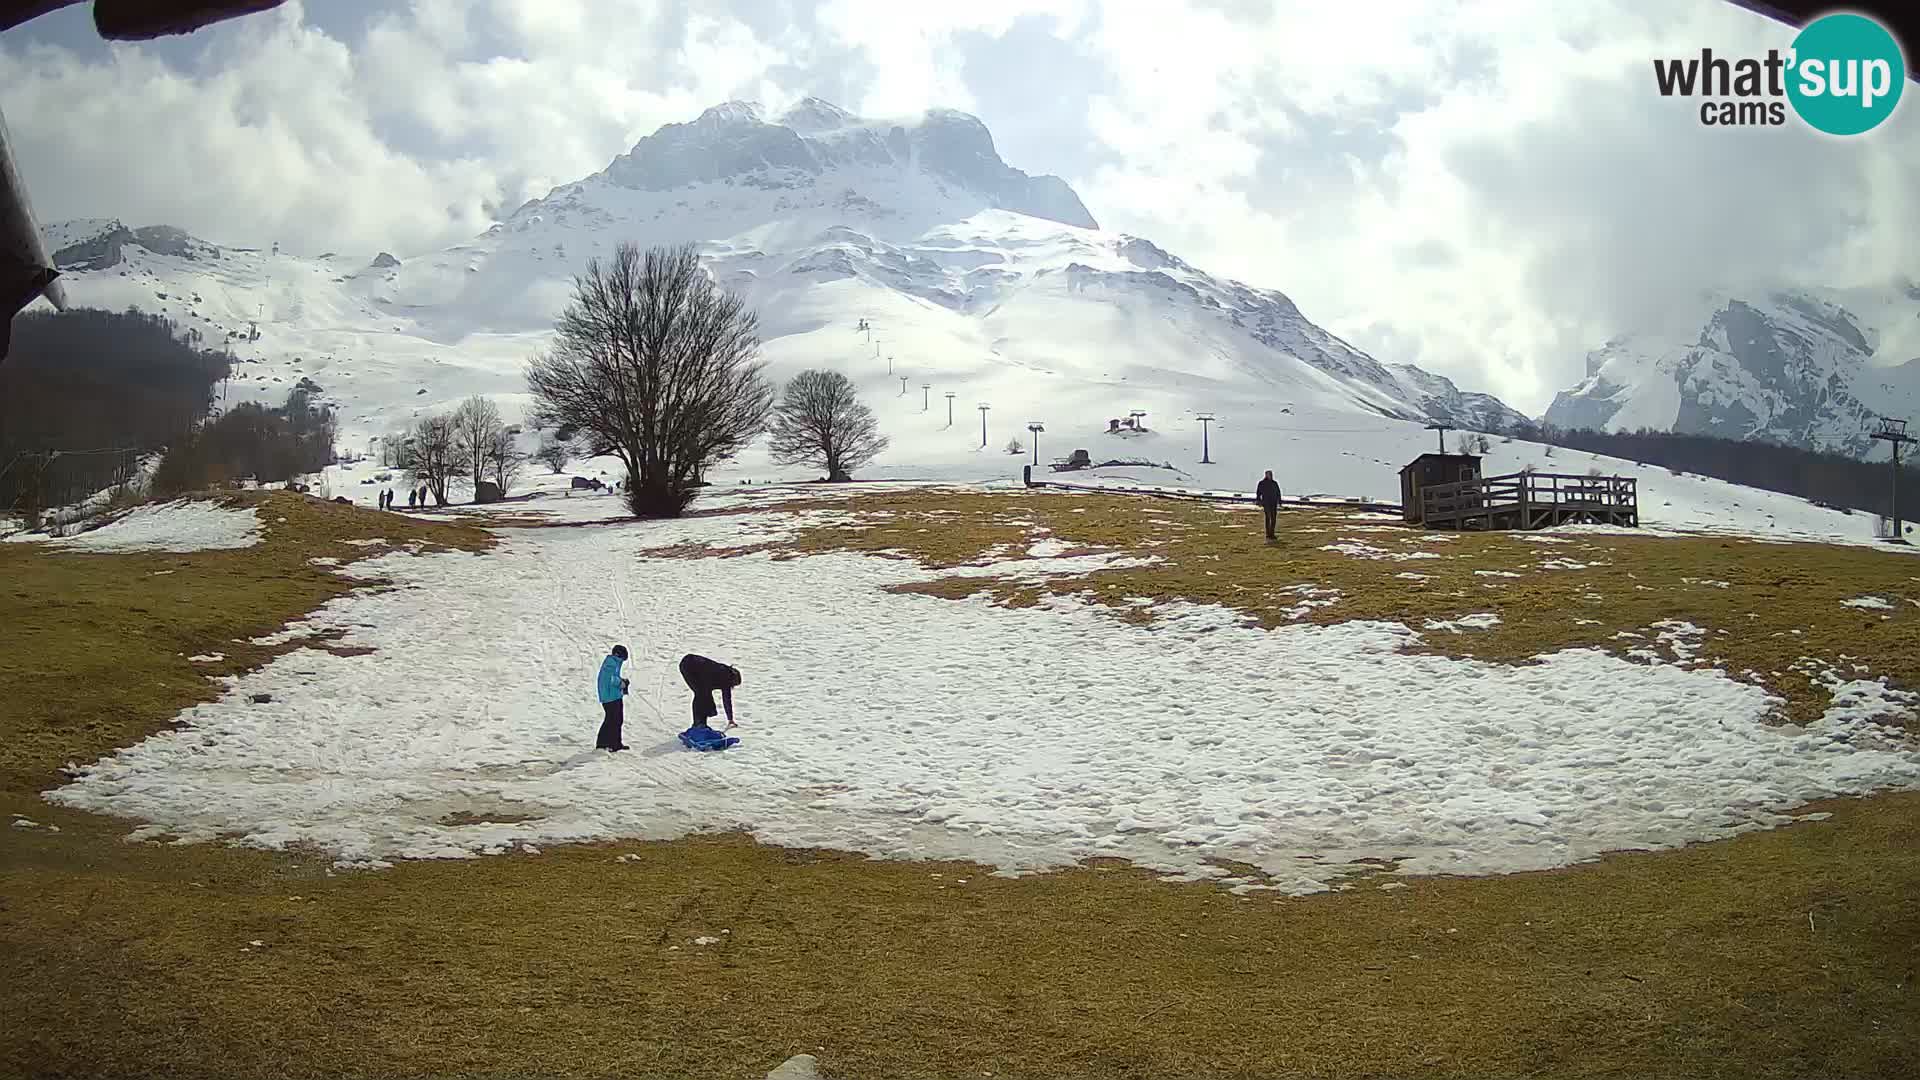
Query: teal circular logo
1846 74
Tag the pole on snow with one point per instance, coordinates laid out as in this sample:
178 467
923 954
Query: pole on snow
925 387
949 408
1205 418
1895 433
983 424
1036 427
1442 429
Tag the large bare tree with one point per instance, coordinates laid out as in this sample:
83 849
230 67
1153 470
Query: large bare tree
430 453
821 421
654 363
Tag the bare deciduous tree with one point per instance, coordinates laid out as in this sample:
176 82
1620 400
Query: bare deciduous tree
554 452
655 364
429 453
821 421
476 424
504 460
1015 446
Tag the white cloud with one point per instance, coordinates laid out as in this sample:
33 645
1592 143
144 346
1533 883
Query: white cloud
1488 189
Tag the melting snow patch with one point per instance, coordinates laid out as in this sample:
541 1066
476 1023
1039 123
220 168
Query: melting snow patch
1682 637
1408 575
1513 767
1310 597
1360 549
1873 602
1562 564
1495 573
706 939
1483 621
208 658
182 526
1047 549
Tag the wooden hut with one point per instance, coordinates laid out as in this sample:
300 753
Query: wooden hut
1428 470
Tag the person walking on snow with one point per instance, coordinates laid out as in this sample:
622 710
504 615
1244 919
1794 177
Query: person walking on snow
613 692
1267 494
703 677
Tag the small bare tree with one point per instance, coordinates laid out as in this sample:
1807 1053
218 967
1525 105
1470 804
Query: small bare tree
821 421
554 452
1015 446
430 454
476 428
654 363
505 460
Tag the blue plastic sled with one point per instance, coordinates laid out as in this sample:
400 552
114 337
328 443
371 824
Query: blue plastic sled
705 738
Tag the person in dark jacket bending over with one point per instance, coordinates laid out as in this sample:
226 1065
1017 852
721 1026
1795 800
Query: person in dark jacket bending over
613 692
1267 494
703 677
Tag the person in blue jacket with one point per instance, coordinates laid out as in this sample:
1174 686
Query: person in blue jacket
613 692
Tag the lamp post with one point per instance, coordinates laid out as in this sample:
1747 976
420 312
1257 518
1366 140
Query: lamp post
1036 427
925 389
1205 418
983 424
949 408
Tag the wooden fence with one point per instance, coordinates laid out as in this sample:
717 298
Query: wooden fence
1530 500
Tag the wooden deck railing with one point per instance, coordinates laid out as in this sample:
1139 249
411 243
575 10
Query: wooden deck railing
1529 500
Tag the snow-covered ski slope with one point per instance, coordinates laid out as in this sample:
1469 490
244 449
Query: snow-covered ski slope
978 282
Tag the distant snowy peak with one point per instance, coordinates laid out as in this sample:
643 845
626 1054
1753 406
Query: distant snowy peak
735 141
98 243
1795 367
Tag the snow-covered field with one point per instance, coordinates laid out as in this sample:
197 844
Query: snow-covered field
179 526
911 726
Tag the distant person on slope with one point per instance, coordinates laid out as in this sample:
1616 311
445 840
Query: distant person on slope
703 677
613 692
1267 494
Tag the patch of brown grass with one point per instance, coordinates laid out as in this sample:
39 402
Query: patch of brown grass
1770 613
98 643
134 960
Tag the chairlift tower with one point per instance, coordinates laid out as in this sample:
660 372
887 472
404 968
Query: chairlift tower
1442 428
1895 433
983 424
1036 427
925 394
903 386
1205 419
950 396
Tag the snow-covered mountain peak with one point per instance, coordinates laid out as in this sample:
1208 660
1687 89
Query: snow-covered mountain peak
1800 366
817 143
973 276
98 243
729 113
812 115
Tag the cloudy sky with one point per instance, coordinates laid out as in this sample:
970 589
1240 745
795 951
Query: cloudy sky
1487 189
